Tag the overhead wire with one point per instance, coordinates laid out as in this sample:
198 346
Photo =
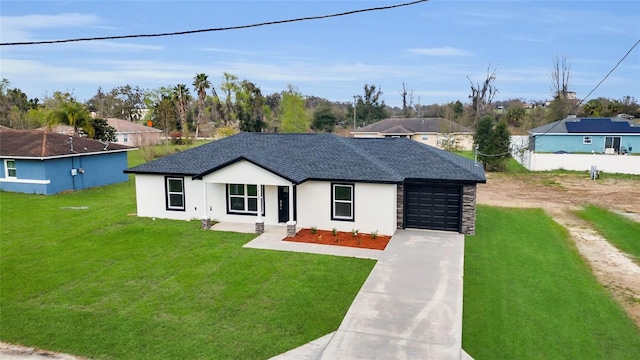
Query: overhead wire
237 27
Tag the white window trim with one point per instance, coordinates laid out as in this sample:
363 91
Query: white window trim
7 168
169 193
587 140
25 181
334 201
246 198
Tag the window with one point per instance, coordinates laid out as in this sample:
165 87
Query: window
10 169
243 199
125 138
586 140
175 193
425 137
342 202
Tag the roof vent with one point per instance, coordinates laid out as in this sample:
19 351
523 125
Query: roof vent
70 142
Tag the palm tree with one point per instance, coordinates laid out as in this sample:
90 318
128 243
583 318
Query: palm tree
182 97
201 83
73 114
592 107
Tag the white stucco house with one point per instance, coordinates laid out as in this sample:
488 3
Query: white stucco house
438 132
313 180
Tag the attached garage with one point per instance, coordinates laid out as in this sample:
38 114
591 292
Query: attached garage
433 207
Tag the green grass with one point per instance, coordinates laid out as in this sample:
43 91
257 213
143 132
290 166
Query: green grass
82 276
623 233
136 158
529 295
512 165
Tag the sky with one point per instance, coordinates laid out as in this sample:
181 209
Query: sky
434 47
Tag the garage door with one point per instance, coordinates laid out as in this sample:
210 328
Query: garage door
433 207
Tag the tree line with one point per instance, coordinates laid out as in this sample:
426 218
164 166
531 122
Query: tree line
202 108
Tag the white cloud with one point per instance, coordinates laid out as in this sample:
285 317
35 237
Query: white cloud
439 51
21 28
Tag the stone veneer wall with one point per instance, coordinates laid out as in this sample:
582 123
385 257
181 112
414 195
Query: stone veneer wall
400 206
468 209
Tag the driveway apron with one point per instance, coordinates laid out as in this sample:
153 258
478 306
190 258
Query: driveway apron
410 306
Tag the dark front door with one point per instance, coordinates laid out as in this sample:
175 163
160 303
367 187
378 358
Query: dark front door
283 204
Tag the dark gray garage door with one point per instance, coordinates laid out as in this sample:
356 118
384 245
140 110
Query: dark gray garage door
433 207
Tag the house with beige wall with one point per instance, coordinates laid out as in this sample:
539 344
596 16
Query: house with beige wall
436 132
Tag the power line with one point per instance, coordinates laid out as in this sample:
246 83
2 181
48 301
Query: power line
609 73
237 27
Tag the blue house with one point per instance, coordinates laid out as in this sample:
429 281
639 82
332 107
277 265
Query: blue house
39 162
587 135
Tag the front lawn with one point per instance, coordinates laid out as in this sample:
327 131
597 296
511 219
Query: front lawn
81 275
529 295
623 233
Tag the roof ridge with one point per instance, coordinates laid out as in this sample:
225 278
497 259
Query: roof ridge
43 150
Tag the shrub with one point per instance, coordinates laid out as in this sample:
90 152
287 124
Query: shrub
314 229
334 231
374 234
354 232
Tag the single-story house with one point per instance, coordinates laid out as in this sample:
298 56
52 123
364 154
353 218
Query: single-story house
586 135
313 180
436 132
132 134
42 162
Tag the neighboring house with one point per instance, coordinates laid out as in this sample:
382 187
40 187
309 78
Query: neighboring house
132 134
313 180
586 135
42 162
431 131
581 144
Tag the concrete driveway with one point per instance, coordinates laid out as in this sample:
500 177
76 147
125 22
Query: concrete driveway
410 306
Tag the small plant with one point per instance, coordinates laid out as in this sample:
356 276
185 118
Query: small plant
374 234
354 232
334 231
314 229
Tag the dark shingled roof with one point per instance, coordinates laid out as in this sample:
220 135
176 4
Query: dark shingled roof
44 144
588 126
301 157
414 125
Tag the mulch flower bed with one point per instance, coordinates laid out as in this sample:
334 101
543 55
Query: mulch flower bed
326 237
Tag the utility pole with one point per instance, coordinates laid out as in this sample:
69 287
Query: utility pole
354 112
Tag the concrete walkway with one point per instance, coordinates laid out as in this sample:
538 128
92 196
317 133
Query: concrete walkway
410 306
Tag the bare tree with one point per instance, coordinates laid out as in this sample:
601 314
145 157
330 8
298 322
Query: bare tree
407 100
482 95
562 103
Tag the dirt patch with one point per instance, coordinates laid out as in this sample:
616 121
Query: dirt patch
339 238
11 351
560 196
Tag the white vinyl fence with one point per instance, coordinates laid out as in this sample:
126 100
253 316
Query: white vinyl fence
623 164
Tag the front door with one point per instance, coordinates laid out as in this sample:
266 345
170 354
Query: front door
283 204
